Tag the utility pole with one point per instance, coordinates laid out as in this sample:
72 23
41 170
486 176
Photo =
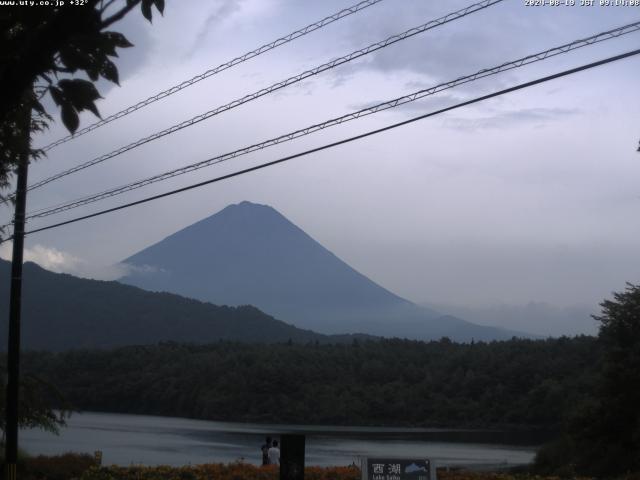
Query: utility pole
13 357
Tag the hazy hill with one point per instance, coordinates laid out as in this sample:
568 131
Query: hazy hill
251 254
61 312
536 317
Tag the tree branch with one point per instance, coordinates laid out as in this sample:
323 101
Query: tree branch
119 15
104 7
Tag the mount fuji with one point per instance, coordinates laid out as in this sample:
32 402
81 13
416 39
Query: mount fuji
250 254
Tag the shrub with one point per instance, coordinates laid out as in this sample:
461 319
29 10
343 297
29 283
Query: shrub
59 467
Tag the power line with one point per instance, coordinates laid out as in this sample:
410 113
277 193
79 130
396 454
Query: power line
277 86
614 33
344 141
213 71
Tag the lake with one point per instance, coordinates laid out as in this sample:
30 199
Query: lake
149 440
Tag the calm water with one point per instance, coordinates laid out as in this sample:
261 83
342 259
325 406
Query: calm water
147 440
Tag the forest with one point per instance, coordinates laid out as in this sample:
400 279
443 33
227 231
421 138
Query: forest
517 383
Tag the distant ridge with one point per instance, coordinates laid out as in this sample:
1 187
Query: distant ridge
61 312
251 254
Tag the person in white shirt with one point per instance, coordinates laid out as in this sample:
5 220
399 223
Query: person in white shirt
274 454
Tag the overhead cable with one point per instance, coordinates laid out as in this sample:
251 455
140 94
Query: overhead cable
213 71
275 87
342 142
510 65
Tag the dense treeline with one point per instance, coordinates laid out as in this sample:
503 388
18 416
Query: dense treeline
390 382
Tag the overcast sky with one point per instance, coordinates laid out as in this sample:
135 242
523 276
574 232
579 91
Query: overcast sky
533 196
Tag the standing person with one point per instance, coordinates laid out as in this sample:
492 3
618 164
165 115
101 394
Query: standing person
265 451
274 454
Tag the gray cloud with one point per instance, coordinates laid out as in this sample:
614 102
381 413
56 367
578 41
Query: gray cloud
59 261
453 51
482 40
222 10
530 116
445 59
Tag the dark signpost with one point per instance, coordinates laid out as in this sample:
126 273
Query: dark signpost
397 469
292 457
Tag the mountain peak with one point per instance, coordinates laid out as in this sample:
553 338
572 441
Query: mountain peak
245 205
249 253
248 204
253 217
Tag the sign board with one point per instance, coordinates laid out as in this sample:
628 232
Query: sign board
397 469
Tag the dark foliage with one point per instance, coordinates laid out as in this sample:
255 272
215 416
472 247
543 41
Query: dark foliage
390 382
36 398
603 435
41 48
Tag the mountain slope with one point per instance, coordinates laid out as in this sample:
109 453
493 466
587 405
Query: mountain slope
251 254
61 312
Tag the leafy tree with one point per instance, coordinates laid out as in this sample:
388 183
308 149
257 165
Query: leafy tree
610 436
42 51
36 398
603 436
